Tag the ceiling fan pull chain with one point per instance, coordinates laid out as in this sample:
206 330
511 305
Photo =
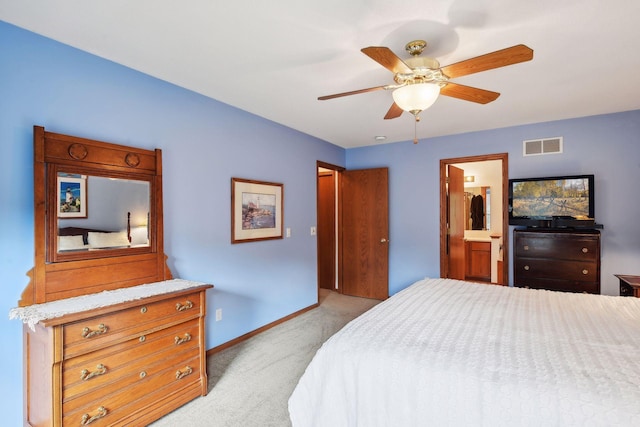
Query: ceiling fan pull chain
415 130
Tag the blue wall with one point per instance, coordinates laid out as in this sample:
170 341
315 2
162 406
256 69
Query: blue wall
205 143
607 146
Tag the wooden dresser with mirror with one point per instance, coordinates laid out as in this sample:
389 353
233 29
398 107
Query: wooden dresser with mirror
110 337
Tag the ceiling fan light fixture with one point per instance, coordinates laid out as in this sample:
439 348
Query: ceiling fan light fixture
414 98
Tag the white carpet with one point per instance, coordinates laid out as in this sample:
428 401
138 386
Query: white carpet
250 383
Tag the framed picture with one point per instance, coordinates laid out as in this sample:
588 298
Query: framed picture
72 196
256 210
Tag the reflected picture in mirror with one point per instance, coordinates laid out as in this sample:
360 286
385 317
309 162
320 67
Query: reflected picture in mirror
116 213
72 196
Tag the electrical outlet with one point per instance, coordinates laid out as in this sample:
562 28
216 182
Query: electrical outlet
288 232
218 314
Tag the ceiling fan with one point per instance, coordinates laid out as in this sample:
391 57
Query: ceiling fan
420 79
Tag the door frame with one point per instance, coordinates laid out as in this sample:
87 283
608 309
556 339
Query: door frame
444 260
338 266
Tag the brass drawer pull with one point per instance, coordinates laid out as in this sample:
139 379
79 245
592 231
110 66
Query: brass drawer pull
85 375
143 374
142 338
585 250
143 310
585 271
186 338
181 374
526 267
526 247
88 333
88 419
187 305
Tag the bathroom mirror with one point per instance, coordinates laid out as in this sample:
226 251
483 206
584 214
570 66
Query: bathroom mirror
477 202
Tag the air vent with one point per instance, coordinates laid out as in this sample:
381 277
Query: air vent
536 147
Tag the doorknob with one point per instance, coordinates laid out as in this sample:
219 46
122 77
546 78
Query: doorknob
383 240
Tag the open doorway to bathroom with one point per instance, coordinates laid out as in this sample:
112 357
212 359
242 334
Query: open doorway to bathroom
474 218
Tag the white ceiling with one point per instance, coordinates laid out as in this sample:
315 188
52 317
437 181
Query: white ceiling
275 58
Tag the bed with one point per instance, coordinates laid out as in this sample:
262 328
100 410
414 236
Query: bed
452 353
76 238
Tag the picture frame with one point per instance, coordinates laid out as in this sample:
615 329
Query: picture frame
256 210
72 196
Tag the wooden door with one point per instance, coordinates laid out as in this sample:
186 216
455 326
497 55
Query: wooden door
326 230
455 191
364 227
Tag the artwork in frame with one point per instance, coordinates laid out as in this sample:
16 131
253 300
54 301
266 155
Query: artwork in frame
256 210
72 196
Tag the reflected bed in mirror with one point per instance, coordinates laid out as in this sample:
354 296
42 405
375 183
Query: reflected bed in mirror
98 213
115 213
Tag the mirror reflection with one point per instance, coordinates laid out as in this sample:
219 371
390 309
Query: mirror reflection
96 213
477 202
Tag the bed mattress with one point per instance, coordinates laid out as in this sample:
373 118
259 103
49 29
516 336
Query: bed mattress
451 353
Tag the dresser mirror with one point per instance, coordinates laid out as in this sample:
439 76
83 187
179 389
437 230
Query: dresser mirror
98 217
96 213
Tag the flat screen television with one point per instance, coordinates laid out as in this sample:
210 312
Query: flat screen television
559 201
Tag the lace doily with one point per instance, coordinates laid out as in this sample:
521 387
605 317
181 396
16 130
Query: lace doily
35 313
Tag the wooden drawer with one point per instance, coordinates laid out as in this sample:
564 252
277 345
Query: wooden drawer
127 360
56 395
97 332
532 268
558 246
119 401
560 285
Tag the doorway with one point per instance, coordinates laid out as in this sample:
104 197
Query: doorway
455 241
352 232
327 230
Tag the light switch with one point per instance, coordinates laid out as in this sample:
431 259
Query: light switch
313 231
288 232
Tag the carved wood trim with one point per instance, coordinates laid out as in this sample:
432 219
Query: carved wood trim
53 151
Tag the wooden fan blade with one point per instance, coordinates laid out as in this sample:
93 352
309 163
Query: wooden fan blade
500 58
469 93
353 92
393 112
385 57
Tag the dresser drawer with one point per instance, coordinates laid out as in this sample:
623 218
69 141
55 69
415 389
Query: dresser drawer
118 401
559 246
93 333
129 359
532 268
560 285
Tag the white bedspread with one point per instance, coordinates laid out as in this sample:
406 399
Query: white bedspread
450 353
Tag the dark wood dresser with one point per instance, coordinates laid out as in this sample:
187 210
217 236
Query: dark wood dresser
629 285
559 260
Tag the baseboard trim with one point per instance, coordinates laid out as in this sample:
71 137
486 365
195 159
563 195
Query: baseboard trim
255 332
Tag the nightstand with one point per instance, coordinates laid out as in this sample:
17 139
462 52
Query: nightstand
629 285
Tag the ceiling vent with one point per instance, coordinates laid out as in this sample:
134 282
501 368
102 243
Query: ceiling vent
536 147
